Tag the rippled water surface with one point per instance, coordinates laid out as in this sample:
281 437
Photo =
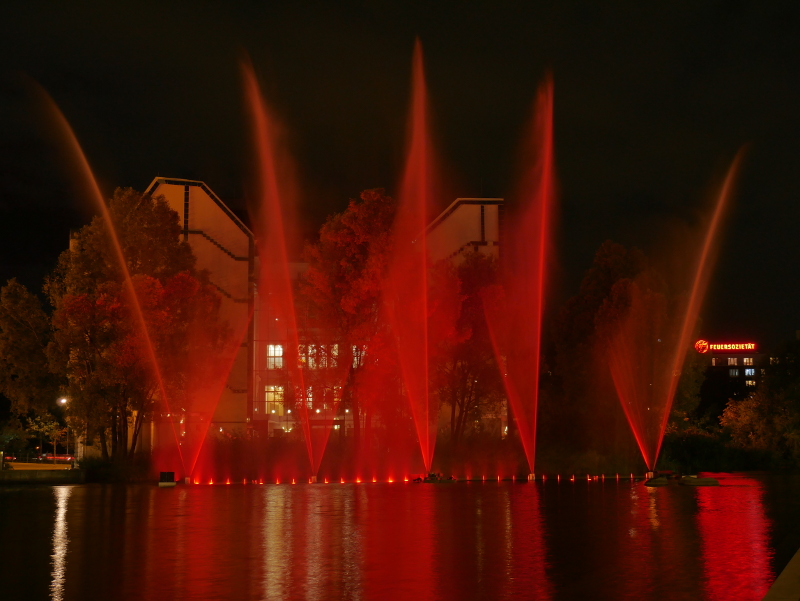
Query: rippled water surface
568 540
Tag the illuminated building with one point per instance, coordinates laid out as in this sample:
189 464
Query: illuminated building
225 248
734 370
254 395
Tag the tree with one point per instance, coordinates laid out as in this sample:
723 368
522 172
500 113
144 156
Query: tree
469 380
25 375
342 290
768 419
119 361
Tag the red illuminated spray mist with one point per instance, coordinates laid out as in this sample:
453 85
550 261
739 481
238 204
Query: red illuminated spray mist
514 317
644 337
86 173
407 286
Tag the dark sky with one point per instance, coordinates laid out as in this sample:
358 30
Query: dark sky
652 101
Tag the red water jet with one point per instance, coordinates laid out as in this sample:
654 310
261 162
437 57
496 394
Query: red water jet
91 183
407 286
276 218
644 337
514 315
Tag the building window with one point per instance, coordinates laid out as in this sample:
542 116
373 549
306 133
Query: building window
273 396
733 373
748 360
274 356
716 361
774 360
763 372
750 382
750 371
733 361
271 404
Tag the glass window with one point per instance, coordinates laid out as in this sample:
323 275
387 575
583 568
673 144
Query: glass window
273 395
774 360
750 382
733 373
748 360
733 360
716 361
274 356
750 371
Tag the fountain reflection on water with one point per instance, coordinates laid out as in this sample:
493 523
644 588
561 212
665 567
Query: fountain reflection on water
618 540
60 543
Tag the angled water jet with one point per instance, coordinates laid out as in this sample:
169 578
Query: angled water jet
86 173
644 333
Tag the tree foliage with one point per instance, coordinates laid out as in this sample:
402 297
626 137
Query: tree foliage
25 375
117 361
343 289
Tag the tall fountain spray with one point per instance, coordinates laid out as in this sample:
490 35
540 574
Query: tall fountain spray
276 221
645 338
90 182
514 317
407 286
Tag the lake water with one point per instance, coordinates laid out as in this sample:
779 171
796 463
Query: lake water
567 540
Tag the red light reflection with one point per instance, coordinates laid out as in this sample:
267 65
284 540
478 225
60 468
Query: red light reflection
735 538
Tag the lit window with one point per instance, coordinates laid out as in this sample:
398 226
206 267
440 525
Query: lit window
748 360
716 361
750 382
733 361
273 397
274 356
750 371
774 360
763 371
733 373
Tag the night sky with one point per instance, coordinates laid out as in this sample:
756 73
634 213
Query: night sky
652 101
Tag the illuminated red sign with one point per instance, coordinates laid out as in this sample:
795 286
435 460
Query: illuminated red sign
703 346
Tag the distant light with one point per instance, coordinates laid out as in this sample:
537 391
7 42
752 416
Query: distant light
273 411
347 411
62 400
317 410
289 411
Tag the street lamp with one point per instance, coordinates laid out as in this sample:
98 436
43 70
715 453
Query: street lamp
62 400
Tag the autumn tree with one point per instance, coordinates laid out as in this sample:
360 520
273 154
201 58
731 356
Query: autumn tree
342 291
768 420
119 360
25 375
